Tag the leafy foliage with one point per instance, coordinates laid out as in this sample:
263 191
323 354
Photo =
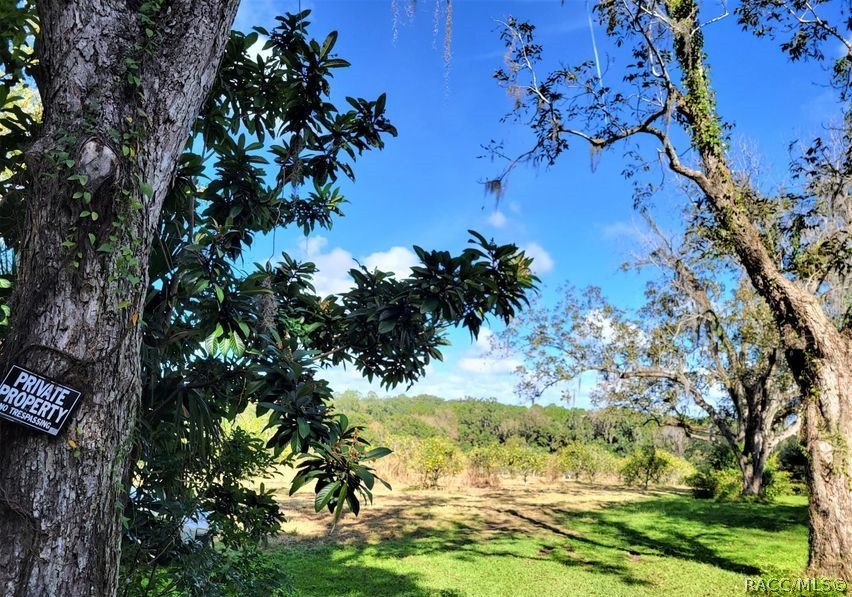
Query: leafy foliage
646 465
265 153
436 459
483 465
522 460
803 28
722 481
265 334
589 461
337 466
244 572
19 112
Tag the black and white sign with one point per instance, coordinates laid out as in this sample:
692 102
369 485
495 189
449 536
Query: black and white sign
35 401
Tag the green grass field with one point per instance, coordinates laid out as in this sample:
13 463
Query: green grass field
546 543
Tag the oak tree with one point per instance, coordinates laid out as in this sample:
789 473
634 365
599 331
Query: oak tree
666 96
694 348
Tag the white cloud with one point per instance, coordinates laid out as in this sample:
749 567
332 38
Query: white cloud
455 386
481 359
622 232
498 219
314 245
485 341
333 275
542 261
398 260
606 329
334 263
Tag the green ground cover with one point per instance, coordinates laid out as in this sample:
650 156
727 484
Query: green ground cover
660 545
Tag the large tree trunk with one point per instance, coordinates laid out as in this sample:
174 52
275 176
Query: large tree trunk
758 438
820 357
828 433
76 311
752 469
819 354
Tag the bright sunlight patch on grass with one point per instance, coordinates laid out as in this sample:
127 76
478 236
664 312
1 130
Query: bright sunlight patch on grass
543 542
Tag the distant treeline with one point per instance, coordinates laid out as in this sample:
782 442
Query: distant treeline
480 422
433 439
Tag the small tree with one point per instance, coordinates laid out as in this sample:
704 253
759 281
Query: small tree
483 464
522 459
645 465
588 460
571 459
599 461
437 458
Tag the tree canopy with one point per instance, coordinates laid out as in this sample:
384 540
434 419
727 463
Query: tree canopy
662 104
221 337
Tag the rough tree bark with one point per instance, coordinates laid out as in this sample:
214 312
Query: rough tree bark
61 498
762 409
819 354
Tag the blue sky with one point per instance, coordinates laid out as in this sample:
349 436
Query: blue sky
424 187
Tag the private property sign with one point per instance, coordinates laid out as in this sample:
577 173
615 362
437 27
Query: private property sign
35 401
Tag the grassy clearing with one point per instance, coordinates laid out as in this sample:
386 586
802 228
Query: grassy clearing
544 542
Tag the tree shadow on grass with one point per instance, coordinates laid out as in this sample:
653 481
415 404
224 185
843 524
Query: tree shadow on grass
604 543
320 572
766 517
609 541
687 529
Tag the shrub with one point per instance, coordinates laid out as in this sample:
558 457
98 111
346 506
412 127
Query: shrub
778 481
587 460
552 469
726 485
729 485
599 461
703 484
244 572
646 465
483 465
679 469
520 459
722 485
221 486
437 458
792 458
572 459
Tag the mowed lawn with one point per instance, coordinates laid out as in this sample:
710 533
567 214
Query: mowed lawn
538 541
